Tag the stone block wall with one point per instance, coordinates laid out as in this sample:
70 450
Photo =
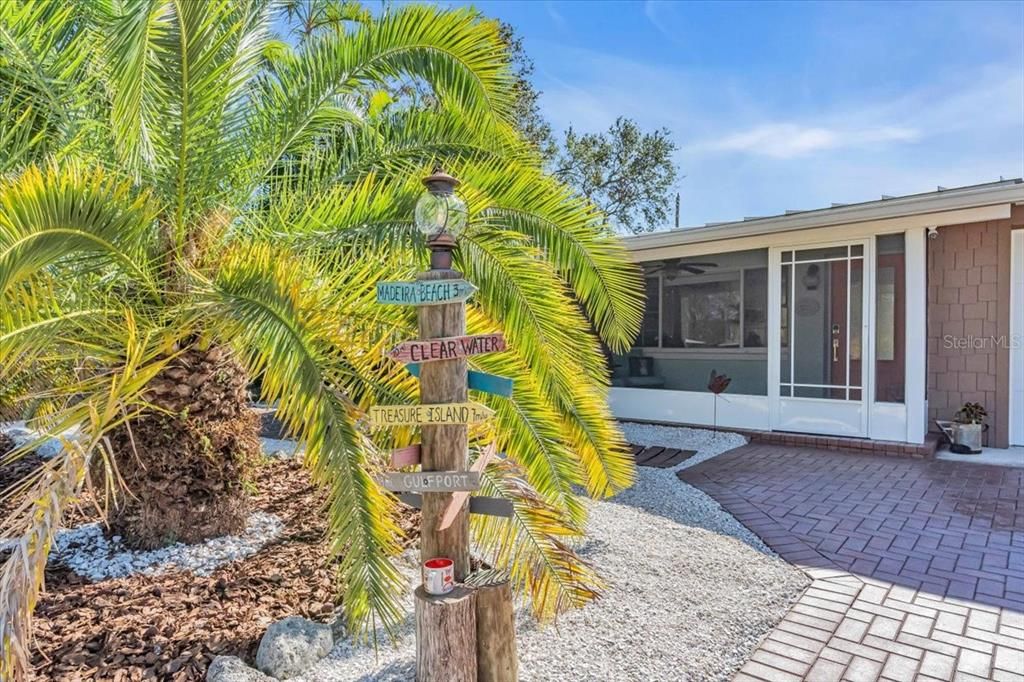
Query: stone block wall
969 323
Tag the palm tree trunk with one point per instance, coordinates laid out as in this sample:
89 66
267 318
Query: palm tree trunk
186 461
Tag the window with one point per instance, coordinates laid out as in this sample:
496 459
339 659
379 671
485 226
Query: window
701 312
890 318
711 302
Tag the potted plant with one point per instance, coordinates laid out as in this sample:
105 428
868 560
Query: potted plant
970 423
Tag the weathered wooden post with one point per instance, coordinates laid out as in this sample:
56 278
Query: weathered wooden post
444 447
447 625
495 628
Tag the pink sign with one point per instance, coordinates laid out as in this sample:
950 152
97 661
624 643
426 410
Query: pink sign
449 348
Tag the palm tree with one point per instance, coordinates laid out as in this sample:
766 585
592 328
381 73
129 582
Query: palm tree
188 202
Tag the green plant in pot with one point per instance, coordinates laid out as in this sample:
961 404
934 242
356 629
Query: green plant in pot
970 421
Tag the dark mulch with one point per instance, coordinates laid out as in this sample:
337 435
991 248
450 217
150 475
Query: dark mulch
170 627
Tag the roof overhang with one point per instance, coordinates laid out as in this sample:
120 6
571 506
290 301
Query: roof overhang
949 207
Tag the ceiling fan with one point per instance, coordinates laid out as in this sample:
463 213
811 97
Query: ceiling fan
672 266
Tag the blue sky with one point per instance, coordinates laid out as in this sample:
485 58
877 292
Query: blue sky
791 106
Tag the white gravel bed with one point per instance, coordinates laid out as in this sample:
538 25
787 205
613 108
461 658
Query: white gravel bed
690 594
662 494
86 551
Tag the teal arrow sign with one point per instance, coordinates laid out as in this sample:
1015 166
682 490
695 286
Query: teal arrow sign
432 292
478 381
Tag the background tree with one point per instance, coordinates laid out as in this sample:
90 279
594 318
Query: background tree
626 172
188 202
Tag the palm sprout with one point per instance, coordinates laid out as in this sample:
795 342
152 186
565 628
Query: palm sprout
175 178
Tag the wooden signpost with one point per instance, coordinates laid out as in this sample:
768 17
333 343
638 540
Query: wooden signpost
405 457
459 498
448 626
447 349
432 481
431 414
478 504
478 381
433 292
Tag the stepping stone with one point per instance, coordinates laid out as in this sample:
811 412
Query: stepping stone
647 454
660 457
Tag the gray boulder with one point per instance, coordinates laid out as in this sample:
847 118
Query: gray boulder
291 646
233 669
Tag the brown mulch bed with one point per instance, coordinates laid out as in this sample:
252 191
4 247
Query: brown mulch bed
169 627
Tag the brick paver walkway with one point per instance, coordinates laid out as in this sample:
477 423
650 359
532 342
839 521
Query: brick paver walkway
918 566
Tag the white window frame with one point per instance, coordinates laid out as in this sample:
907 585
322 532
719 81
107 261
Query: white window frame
716 276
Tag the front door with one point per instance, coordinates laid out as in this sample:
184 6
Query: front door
818 353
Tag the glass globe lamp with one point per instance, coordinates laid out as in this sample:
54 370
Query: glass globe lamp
440 210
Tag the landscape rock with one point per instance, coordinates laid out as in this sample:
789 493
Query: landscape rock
50 448
19 434
281 448
233 669
291 646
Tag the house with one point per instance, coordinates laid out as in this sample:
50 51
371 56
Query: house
860 321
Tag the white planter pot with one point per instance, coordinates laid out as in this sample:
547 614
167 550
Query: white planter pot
969 435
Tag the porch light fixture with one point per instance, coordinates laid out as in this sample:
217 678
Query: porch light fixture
440 211
441 215
812 278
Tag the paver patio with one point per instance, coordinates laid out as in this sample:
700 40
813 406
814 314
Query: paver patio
918 566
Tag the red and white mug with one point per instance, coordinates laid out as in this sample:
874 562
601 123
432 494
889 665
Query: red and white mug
438 576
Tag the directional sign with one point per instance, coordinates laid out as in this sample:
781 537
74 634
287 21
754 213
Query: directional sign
478 381
489 506
427 292
458 499
431 481
448 348
407 456
429 415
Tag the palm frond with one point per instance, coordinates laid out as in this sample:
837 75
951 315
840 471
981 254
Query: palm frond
525 297
263 302
40 54
51 216
309 92
535 546
103 401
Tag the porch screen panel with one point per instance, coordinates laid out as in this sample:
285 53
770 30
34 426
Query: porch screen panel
703 313
821 323
652 319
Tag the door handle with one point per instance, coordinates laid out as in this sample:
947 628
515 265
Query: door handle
835 350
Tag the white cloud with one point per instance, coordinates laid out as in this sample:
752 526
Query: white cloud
756 147
788 140
553 14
